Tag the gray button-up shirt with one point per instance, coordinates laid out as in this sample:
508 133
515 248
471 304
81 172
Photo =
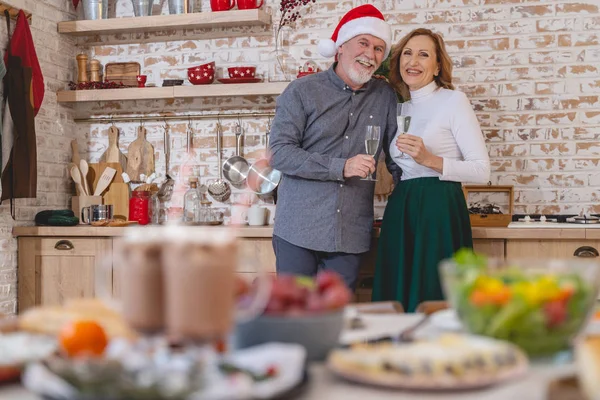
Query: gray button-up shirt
320 123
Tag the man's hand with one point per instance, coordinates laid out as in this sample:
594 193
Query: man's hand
360 165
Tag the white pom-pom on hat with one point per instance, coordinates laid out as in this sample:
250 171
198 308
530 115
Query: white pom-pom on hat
327 48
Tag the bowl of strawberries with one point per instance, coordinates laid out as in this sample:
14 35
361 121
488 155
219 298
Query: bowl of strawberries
304 310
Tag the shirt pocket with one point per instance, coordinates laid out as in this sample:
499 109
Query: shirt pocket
376 117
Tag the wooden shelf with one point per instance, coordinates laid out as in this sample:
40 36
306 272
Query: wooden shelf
231 89
78 96
165 22
213 90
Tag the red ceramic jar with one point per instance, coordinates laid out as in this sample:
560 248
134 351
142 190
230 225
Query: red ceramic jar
138 207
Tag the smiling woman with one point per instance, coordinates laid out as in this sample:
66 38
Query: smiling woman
425 53
426 218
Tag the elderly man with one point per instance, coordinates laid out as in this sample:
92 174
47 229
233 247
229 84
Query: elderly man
325 210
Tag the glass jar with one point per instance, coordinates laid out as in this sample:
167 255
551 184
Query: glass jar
155 208
191 203
139 206
282 66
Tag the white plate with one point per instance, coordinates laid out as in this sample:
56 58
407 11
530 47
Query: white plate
446 320
366 364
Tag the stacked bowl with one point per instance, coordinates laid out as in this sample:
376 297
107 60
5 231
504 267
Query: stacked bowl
202 74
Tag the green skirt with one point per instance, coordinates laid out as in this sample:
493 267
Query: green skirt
425 221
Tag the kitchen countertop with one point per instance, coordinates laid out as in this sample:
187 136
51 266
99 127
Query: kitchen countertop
103 231
267 232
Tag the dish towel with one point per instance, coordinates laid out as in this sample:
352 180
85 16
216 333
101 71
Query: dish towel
2 73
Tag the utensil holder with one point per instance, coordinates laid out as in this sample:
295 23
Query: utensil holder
78 202
142 8
182 7
95 9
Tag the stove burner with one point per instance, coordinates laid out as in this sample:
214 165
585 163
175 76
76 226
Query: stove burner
535 218
584 220
557 218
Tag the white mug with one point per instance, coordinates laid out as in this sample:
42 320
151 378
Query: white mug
257 215
239 214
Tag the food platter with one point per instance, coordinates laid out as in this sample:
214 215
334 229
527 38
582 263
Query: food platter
450 362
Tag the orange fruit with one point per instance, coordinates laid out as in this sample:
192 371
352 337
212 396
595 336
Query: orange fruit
82 337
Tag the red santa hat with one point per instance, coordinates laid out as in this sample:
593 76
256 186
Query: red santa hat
362 20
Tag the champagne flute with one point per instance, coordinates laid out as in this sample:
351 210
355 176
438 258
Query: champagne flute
403 117
372 137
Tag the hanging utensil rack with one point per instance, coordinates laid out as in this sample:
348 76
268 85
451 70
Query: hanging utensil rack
104 120
13 12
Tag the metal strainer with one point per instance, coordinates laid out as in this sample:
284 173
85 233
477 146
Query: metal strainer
219 189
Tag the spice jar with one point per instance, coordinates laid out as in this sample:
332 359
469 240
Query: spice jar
138 206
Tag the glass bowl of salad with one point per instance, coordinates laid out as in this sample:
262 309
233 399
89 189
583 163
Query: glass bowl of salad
538 304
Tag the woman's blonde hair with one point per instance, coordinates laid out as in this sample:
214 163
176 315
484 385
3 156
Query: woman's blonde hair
444 77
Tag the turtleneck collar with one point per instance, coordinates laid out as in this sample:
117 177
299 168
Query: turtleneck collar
421 94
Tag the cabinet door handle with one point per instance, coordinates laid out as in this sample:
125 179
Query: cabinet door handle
586 251
64 245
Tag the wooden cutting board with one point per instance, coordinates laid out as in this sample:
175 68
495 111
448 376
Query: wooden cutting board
118 195
75 152
113 154
385 183
122 72
75 159
140 157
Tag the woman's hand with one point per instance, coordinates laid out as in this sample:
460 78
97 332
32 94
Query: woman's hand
414 147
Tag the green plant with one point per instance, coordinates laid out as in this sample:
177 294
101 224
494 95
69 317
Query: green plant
384 70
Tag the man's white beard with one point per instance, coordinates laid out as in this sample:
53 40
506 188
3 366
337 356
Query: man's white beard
357 75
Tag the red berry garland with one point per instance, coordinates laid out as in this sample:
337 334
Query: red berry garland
290 10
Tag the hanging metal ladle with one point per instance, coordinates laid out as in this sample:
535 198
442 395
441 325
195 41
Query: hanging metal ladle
219 189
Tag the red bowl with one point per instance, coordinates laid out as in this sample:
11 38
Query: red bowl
203 67
241 72
202 74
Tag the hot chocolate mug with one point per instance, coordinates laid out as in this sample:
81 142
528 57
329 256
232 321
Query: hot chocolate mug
182 281
221 5
249 4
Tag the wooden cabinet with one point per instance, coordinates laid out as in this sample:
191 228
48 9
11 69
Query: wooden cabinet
490 247
522 248
53 269
256 253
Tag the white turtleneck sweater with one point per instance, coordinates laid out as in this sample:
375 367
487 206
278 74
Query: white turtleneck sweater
447 123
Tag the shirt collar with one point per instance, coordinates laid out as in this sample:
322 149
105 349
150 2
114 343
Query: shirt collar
423 92
338 82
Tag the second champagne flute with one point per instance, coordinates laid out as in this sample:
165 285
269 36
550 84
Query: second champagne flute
403 118
372 137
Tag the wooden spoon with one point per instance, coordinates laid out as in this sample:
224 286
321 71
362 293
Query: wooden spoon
84 168
76 175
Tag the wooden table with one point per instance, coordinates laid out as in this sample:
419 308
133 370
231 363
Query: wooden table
323 385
